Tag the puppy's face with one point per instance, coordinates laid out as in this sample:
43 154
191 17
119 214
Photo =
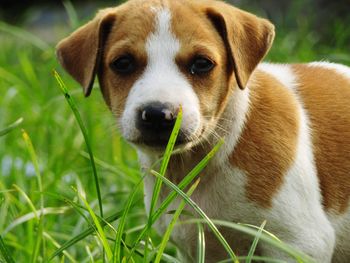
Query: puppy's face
153 57
161 64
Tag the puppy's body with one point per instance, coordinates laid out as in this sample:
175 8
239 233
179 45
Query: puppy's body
286 127
289 184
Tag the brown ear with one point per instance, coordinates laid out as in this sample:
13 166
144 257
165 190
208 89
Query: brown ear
247 38
80 53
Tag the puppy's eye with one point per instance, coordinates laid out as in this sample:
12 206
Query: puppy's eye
201 65
124 64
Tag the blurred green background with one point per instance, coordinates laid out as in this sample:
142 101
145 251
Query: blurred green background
307 30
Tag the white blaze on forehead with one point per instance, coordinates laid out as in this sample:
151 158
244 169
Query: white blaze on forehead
162 43
162 81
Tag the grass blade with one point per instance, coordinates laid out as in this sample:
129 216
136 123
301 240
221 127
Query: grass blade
120 229
34 215
200 212
26 197
201 244
36 249
256 259
132 175
255 243
263 230
11 127
84 234
265 236
35 162
56 244
171 143
72 14
85 134
182 185
166 158
4 252
24 35
173 222
99 228
158 185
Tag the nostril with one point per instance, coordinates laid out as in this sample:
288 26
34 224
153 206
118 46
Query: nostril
156 117
152 114
169 116
144 115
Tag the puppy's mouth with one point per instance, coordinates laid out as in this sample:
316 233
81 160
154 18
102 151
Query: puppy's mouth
159 140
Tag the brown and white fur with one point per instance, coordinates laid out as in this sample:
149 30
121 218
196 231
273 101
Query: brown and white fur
286 157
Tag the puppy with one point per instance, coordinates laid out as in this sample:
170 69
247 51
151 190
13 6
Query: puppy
286 157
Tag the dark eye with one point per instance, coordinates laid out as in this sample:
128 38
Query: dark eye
124 64
201 65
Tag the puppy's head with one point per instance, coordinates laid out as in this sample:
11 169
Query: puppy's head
153 56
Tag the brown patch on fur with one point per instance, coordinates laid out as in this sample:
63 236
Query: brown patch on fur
267 146
128 37
200 39
80 53
247 38
326 98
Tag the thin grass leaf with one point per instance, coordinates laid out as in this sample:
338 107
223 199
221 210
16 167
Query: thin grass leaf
37 245
171 143
77 115
299 256
26 197
84 234
5 253
201 244
201 213
88 251
11 127
172 223
39 236
158 185
35 162
57 245
264 231
72 14
11 77
120 229
28 69
182 185
256 259
99 228
169 258
78 208
166 158
255 243
38 213
24 35
131 175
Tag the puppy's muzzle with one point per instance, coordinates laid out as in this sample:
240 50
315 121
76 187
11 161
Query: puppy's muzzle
156 121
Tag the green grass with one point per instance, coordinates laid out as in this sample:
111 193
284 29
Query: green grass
71 187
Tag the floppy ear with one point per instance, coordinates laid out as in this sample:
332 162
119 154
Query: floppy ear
80 53
247 38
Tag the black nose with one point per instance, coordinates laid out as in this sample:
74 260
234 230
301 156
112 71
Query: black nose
156 121
156 117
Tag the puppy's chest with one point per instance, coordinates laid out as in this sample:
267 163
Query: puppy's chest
220 194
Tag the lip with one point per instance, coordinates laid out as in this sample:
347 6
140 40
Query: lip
160 142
